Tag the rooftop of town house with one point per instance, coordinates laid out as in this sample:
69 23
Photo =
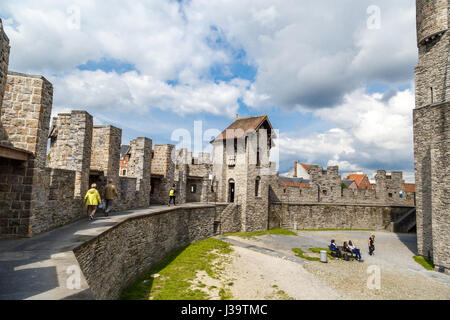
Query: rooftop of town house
348 182
410 187
307 167
357 177
241 126
124 149
294 182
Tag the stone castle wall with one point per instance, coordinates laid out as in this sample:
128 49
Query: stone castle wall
164 167
432 154
333 216
71 147
432 17
115 259
432 132
325 187
105 156
25 115
4 60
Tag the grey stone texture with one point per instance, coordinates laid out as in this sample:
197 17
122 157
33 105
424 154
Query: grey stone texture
118 257
71 147
4 61
163 173
326 187
105 156
333 216
25 115
431 131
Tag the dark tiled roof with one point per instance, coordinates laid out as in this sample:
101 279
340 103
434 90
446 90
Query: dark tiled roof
124 150
245 124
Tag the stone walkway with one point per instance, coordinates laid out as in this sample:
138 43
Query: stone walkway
39 268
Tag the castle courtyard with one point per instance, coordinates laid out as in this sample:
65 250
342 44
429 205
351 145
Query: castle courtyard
255 268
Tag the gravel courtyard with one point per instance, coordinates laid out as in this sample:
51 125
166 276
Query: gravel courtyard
266 268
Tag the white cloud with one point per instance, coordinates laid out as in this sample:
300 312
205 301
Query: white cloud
370 134
131 92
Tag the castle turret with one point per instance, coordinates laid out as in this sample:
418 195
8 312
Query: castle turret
431 131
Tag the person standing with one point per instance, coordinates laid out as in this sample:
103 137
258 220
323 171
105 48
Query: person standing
92 200
371 245
109 194
172 196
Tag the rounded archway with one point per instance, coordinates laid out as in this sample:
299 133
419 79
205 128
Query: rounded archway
231 191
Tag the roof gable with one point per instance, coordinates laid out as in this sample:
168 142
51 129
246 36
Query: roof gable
241 126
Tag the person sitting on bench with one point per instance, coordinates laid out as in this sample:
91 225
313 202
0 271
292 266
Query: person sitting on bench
347 248
334 248
353 249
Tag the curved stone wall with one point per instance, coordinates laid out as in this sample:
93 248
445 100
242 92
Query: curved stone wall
432 17
118 257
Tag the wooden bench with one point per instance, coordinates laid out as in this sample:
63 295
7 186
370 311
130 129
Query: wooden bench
351 255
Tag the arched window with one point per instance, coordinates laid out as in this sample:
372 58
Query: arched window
257 186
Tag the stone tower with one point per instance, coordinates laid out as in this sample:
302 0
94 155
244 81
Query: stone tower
243 171
432 131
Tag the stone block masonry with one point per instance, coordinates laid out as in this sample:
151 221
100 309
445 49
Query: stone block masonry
432 131
71 147
432 163
316 216
25 116
118 257
105 157
163 166
4 59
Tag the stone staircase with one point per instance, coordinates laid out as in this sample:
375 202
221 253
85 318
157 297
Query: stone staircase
218 219
406 223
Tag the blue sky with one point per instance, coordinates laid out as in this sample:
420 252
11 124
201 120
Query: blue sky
338 89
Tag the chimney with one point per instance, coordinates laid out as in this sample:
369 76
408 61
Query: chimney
237 116
295 171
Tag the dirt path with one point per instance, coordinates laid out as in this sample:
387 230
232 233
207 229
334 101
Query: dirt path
250 275
265 268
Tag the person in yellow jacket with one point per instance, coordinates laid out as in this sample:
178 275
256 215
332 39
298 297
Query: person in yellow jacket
92 200
172 193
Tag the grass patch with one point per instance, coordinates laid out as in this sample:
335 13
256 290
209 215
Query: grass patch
301 254
427 264
177 272
262 233
225 294
283 295
336 230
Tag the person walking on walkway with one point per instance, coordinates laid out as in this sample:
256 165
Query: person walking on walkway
172 193
92 200
109 194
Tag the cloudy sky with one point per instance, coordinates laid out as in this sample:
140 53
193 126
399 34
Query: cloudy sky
335 77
